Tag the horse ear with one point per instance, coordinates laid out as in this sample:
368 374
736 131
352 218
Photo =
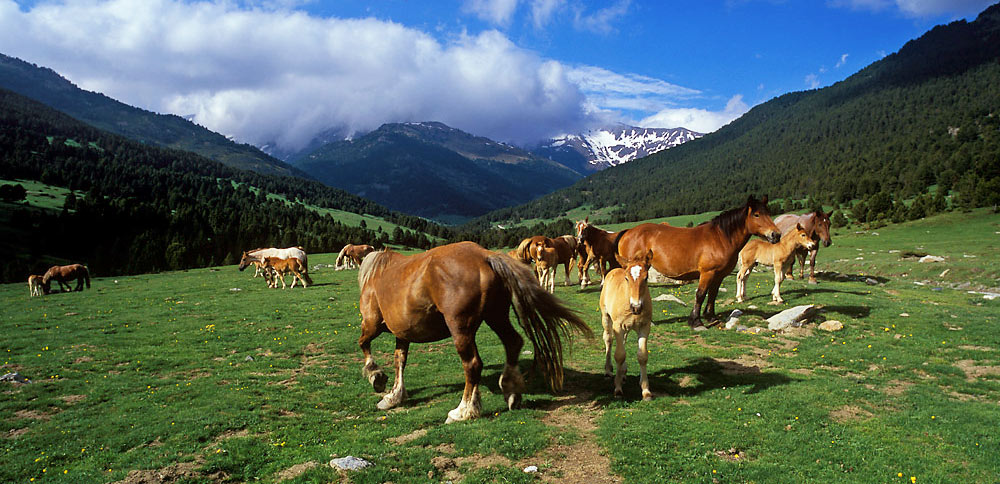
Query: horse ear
649 257
799 226
621 260
750 200
763 200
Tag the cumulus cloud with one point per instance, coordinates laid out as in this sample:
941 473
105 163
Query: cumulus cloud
700 120
282 76
497 12
842 61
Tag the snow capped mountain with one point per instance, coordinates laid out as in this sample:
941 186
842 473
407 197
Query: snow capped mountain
601 148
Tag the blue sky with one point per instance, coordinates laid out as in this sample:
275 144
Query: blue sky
277 72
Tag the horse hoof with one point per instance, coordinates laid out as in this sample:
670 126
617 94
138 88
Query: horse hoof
513 401
378 381
700 327
386 403
647 397
619 394
813 281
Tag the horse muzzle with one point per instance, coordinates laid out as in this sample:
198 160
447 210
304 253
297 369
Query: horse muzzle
635 308
827 242
774 237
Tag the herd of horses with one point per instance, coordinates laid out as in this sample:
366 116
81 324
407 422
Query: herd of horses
449 291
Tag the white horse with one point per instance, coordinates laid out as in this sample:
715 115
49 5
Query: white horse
257 256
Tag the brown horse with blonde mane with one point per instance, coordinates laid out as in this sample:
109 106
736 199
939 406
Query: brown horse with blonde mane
817 225
63 274
564 247
350 256
449 291
707 252
599 246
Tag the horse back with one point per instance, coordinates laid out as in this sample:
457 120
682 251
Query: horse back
678 252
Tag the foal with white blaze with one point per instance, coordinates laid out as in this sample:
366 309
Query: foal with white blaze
780 255
626 306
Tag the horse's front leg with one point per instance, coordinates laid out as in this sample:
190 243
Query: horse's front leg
643 357
694 320
370 328
470 406
779 275
712 294
812 265
620 366
398 392
609 337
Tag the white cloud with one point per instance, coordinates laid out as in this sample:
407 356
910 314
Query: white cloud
812 81
283 76
497 12
918 8
542 11
601 21
701 120
842 61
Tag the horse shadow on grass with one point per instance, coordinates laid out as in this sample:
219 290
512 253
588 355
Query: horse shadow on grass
699 375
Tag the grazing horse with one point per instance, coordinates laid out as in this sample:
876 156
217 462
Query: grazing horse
35 285
600 248
279 267
256 257
449 291
817 224
62 274
626 306
546 261
707 252
350 256
780 255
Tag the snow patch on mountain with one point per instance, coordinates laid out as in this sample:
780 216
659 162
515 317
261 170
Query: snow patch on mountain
598 149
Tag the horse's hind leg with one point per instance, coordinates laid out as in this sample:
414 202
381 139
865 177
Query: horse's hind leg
511 380
609 338
398 392
470 407
371 328
620 365
812 265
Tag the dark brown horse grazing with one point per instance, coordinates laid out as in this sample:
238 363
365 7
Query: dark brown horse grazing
707 252
63 274
600 248
817 225
449 291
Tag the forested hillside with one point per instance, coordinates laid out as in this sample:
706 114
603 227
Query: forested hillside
927 115
148 208
48 87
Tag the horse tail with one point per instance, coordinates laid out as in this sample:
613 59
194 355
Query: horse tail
86 276
614 259
544 318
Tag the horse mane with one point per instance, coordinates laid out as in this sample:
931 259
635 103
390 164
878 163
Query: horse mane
734 219
371 264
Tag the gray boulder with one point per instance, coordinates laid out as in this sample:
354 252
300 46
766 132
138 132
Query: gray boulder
790 317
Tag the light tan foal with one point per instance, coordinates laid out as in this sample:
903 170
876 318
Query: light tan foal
626 306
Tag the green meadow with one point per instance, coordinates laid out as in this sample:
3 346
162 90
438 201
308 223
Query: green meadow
208 376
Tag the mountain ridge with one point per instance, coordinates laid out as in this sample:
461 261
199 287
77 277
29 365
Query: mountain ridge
602 148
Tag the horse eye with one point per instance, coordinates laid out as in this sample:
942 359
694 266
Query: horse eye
756 215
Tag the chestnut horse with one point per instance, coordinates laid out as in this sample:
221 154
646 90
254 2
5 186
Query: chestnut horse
63 274
449 291
817 224
707 252
626 306
350 256
278 267
600 248
546 261
779 255
35 285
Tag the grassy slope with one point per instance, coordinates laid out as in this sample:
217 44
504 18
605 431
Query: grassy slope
151 372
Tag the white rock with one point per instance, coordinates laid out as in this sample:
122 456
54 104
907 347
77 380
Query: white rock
831 325
931 258
790 317
669 297
350 463
531 469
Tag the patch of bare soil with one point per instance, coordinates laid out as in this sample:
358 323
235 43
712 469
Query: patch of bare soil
82 359
15 433
172 473
410 437
732 455
801 371
741 366
295 471
71 399
897 387
975 348
849 413
974 371
35 414
582 461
